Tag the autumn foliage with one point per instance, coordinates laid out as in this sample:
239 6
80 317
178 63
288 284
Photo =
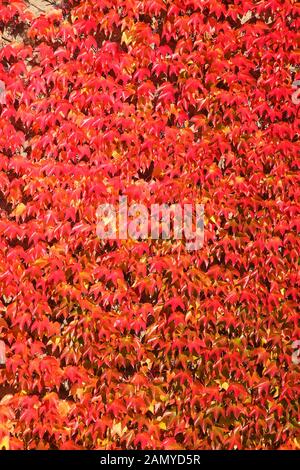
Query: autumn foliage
141 344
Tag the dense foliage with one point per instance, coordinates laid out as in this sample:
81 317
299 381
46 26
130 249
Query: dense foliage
141 344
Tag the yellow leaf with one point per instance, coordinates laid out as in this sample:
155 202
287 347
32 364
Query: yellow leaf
126 38
20 209
225 385
163 397
4 443
151 408
117 429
